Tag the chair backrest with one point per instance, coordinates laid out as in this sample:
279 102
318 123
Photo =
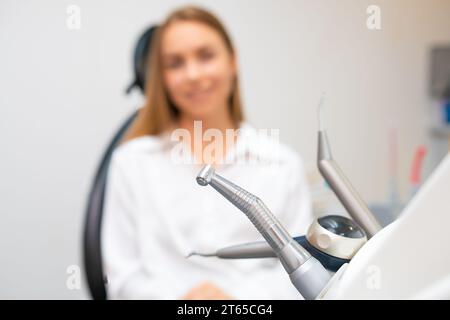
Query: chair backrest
92 254
92 227
140 58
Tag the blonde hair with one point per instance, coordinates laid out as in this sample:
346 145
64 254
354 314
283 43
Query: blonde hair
158 112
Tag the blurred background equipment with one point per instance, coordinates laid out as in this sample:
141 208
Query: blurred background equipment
439 97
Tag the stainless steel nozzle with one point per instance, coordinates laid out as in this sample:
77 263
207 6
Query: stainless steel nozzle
204 176
339 183
343 189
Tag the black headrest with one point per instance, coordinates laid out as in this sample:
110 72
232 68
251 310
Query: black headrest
140 59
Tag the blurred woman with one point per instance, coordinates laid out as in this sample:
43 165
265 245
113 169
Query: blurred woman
156 214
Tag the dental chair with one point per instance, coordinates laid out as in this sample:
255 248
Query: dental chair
92 255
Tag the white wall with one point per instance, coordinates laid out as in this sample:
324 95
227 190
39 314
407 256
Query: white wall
61 97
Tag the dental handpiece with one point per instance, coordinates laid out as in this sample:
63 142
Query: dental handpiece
340 185
250 250
307 274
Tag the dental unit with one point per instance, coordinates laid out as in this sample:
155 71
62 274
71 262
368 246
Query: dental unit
356 250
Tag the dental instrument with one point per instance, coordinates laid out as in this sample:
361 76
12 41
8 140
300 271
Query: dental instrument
339 183
306 273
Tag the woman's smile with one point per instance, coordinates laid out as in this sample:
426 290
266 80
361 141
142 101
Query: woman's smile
199 95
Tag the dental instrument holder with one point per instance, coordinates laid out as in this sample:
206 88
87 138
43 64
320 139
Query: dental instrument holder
261 250
343 189
306 273
332 239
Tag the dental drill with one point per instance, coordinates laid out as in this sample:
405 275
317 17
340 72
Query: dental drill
306 273
339 183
